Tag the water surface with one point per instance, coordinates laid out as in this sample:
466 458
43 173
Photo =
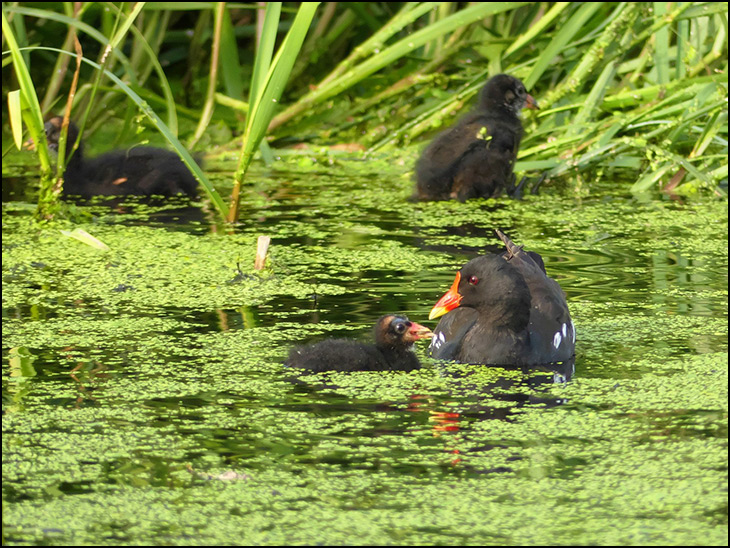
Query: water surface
145 402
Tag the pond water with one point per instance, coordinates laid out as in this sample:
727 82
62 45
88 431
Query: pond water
144 399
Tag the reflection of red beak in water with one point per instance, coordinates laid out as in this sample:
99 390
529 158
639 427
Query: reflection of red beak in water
445 421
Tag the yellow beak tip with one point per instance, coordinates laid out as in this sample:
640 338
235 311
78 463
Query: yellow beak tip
436 312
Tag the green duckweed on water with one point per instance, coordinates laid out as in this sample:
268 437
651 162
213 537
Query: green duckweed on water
145 400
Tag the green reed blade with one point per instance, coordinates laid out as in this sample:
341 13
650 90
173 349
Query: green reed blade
266 100
383 58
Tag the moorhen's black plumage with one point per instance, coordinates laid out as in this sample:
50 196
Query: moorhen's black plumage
504 310
142 171
475 158
392 351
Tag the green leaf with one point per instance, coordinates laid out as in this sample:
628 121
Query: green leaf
84 237
16 117
266 100
568 31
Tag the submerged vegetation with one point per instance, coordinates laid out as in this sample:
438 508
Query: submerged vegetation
636 89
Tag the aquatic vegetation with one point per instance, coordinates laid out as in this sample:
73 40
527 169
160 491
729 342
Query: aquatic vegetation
146 401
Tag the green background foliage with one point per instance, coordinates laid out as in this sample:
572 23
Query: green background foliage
636 90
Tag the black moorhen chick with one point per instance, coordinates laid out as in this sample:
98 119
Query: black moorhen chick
475 158
504 310
142 171
392 351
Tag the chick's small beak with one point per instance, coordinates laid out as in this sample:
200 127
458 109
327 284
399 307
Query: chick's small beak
449 301
531 103
418 331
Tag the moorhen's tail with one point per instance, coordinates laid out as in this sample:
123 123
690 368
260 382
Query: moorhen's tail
513 250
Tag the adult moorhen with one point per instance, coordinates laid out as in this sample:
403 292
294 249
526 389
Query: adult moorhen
504 310
392 351
475 158
143 171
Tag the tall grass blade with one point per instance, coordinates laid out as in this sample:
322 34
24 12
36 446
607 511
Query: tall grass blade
535 30
266 40
264 50
230 66
207 113
388 56
568 31
34 117
373 45
154 63
262 108
661 45
16 117
594 98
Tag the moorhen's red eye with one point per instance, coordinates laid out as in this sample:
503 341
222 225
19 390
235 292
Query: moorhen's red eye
473 280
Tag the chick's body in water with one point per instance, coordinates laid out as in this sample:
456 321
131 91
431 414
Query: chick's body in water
142 171
392 351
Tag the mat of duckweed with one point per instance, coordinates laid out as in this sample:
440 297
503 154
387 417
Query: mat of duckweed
144 400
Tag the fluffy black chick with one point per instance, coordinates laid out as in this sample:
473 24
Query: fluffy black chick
393 349
142 171
476 157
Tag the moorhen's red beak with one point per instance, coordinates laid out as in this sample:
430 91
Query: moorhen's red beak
531 103
449 301
418 331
